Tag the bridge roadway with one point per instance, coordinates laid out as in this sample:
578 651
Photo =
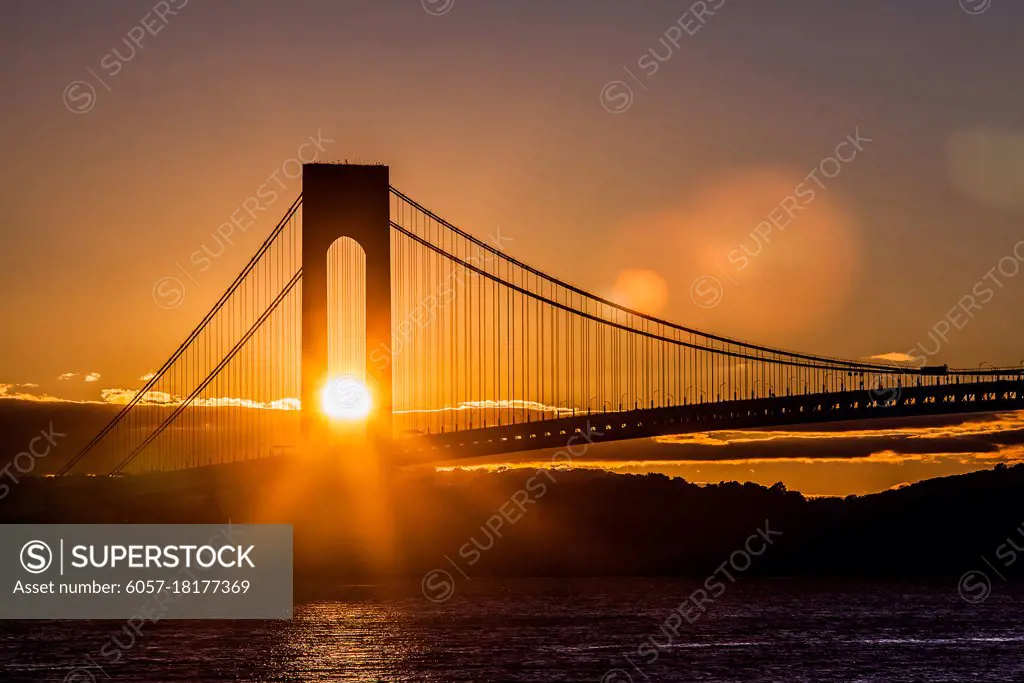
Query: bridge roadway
777 411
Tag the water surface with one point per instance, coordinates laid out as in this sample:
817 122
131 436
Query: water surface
557 630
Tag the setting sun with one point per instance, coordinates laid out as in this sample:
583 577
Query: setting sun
346 398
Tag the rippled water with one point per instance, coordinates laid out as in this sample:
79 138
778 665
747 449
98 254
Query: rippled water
557 630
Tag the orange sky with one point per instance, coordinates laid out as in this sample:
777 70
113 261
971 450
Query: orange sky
491 115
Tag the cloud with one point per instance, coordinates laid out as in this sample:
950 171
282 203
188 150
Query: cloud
162 398
994 436
894 356
7 392
280 404
490 404
655 464
148 376
978 438
151 398
89 377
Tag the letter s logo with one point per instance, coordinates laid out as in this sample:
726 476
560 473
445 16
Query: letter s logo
36 557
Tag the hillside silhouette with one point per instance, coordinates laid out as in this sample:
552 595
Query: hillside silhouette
579 523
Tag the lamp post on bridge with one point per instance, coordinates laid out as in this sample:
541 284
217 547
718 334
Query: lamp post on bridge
566 403
984 362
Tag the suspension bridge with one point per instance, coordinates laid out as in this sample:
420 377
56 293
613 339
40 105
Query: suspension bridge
366 315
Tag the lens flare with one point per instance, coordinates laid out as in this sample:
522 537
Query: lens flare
643 290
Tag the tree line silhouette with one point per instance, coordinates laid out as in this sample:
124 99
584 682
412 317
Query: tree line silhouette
521 522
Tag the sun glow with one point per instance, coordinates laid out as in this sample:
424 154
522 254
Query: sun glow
346 398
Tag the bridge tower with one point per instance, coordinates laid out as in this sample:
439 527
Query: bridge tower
353 201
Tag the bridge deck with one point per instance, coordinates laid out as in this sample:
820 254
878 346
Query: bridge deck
779 411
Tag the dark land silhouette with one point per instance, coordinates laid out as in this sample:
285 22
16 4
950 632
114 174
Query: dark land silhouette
525 522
